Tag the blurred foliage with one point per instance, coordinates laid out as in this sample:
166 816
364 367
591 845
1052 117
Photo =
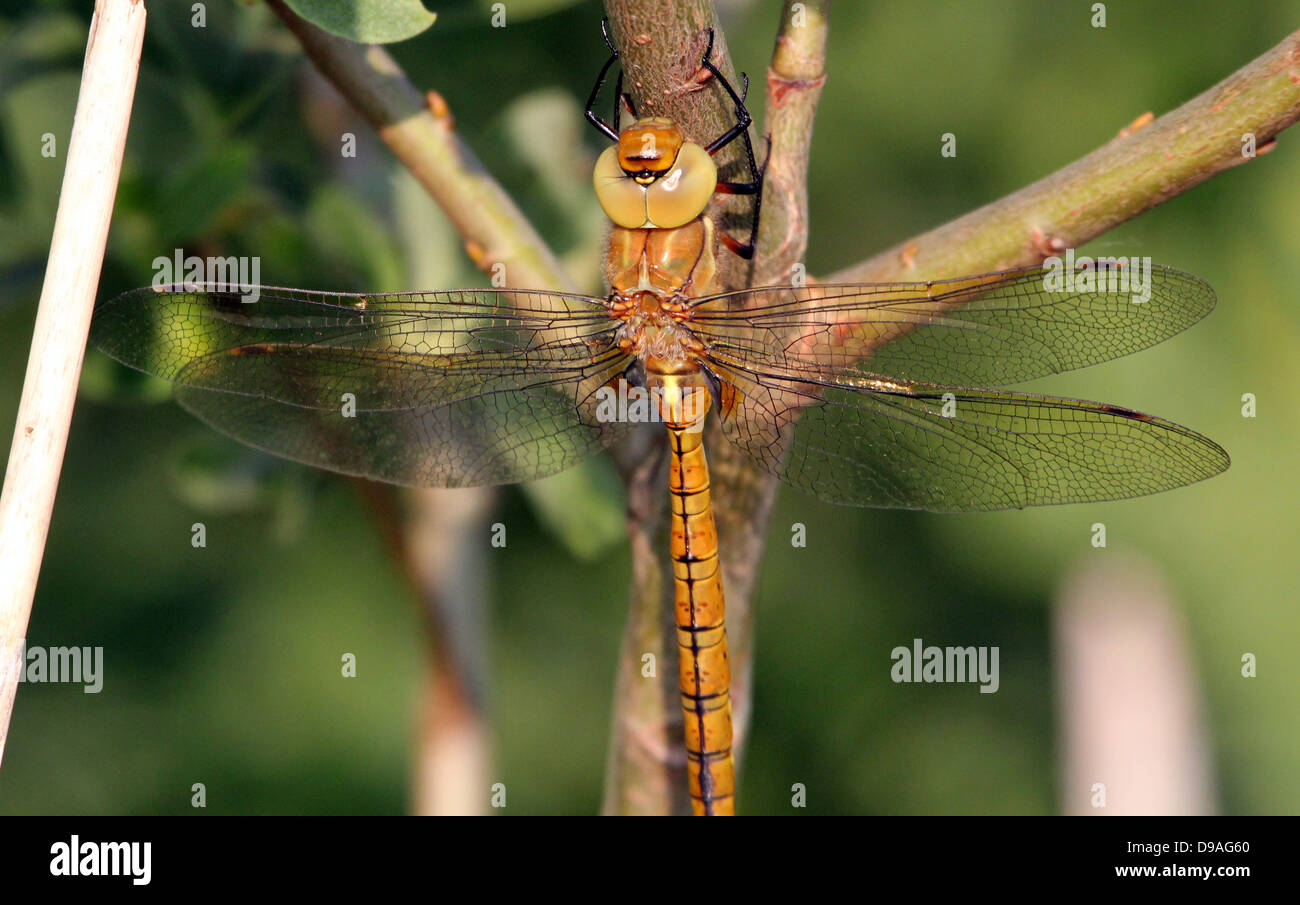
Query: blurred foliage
223 662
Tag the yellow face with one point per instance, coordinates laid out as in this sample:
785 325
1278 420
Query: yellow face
653 178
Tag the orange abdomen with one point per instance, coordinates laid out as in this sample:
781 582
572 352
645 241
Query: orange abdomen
705 674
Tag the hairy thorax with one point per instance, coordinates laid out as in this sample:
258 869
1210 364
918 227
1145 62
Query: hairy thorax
653 275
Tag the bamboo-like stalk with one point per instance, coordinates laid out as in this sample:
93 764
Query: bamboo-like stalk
63 321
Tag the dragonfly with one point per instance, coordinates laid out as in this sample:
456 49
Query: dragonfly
864 394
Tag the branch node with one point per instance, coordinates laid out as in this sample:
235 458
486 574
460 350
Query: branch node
437 105
1142 121
1047 244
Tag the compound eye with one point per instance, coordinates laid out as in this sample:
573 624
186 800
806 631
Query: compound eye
619 195
682 195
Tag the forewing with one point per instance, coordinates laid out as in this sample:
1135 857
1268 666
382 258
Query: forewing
988 330
452 388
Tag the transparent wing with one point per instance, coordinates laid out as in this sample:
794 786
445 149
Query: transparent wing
455 388
874 443
988 330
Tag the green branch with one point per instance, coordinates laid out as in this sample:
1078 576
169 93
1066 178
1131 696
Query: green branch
1143 166
420 131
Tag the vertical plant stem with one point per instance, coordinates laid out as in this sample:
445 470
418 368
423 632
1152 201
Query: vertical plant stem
63 321
661 46
744 494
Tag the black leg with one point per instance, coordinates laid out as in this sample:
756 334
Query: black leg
741 128
618 100
755 188
622 99
743 119
610 132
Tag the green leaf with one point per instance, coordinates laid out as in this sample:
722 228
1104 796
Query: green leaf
366 21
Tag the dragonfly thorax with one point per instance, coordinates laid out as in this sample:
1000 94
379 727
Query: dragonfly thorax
653 328
654 275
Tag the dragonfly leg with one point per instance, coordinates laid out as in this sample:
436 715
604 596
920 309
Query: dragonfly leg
610 132
739 129
755 188
625 98
618 98
743 119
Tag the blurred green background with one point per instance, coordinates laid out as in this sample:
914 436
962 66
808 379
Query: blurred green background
222 663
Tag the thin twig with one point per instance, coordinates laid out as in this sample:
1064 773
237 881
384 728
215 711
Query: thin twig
419 128
452 752
795 79
63 321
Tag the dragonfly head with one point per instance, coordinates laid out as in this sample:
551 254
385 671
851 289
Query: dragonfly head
654 178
